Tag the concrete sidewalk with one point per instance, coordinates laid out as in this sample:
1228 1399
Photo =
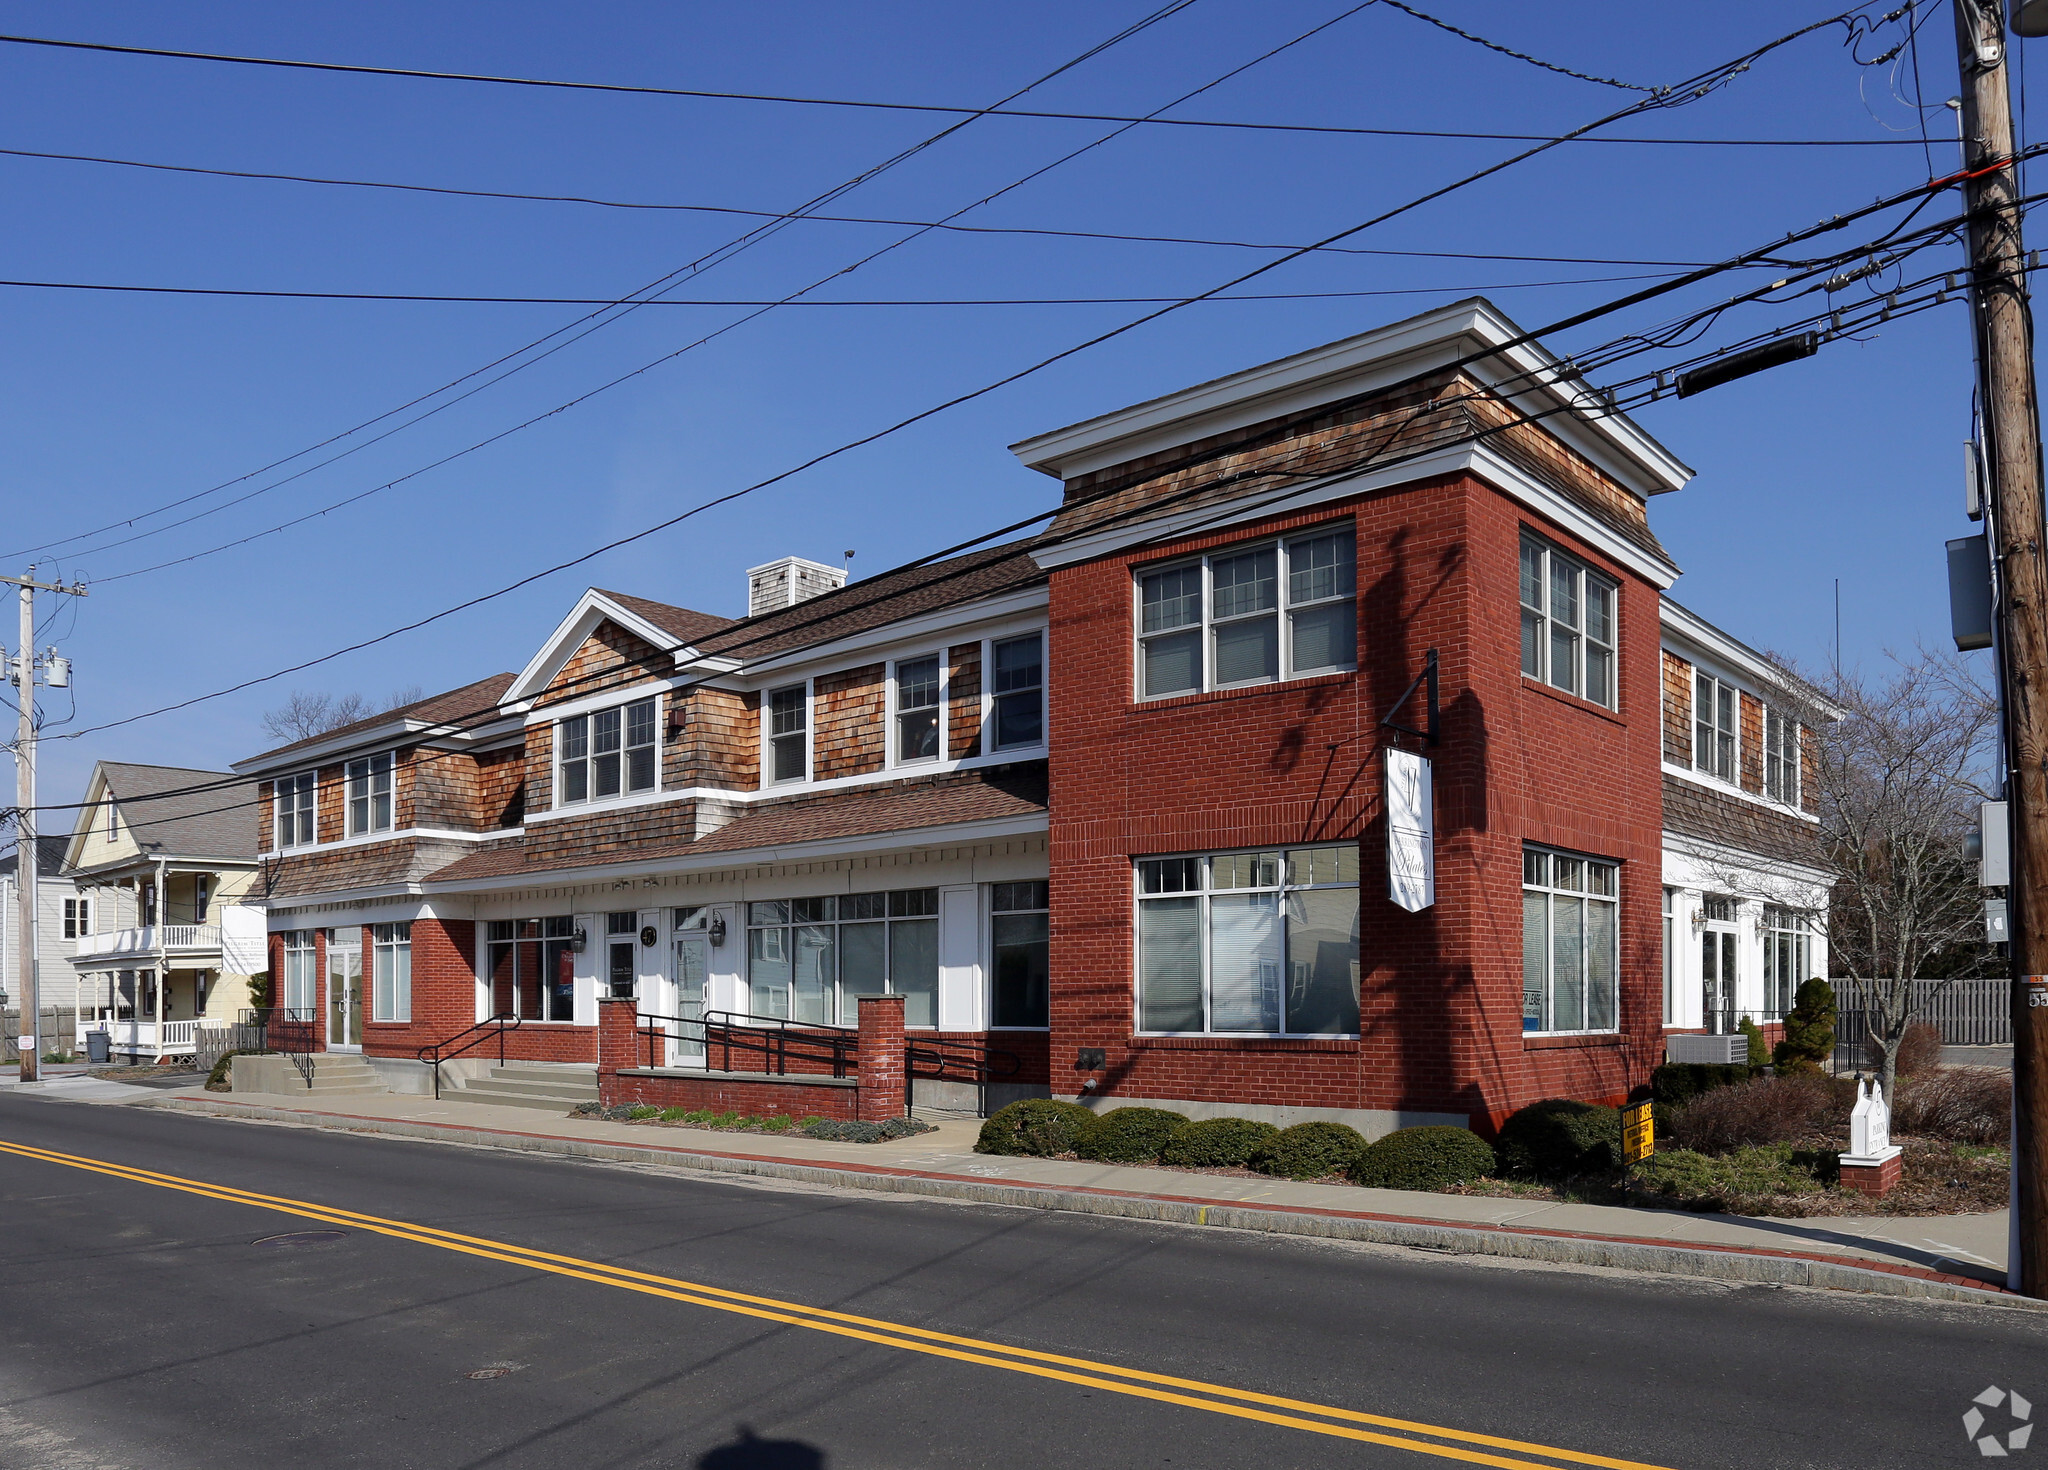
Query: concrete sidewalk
1948 1257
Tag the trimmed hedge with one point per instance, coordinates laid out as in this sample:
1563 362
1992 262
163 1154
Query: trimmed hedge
1432 1157
1216 1143
1128 1135
1678 1083
1309 1151
1559 1137
1040 1126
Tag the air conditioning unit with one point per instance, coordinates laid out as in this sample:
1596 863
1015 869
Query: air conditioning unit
1717 1050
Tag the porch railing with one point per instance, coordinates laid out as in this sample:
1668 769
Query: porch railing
164 1039
778 1043
148 939
483 1032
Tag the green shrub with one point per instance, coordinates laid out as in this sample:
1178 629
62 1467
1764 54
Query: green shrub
1558 1137
1676 1083
1424 1158
1758 1052
1128 1135
218 1079
1216 1143
1309 1151
1738 1183
1809 1038
1040 1126
780 1124
849 1131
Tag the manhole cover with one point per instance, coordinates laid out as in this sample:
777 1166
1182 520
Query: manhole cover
302 1237
494 1370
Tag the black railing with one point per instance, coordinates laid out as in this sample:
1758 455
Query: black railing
950 1059
291 1030
779 1043
462 1041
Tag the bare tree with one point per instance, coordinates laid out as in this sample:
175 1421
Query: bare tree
1898 778
306 714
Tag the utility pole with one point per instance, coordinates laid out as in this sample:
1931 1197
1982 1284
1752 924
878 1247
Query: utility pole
2003 323
25 864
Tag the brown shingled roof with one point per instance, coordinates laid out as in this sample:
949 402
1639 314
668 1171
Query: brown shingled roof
678 622
1691 810
978 796
472 701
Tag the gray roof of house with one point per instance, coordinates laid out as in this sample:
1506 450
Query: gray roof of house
217 822
49 855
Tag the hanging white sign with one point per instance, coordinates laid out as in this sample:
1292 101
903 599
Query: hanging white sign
1411 831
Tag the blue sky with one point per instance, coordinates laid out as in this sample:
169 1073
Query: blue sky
1845 466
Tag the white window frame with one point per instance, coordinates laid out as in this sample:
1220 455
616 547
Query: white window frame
367 770
309 809
391 972
1204 893
806 733
899 906
941 750
77 918
298 991
588 760
1670 957
992 698
995 916
1716 688
1781 757
1540 620
1282 612
1555 888
1787 934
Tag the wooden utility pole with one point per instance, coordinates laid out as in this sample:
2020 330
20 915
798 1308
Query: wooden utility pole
26 867
2004 328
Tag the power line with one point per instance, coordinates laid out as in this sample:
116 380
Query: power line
1698 86
998 111
787 301
607 315
847 219
1444 25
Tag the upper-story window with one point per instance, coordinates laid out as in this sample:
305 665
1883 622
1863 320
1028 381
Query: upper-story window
77 917
1781 757
1715 706
606 752
369 794
1251 615
1568 630
1018 682
788 724
918 686
295 810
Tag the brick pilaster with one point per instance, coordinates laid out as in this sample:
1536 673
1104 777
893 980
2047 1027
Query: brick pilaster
882 1087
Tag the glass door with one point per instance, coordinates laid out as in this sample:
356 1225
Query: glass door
344 999
1717 979
692 977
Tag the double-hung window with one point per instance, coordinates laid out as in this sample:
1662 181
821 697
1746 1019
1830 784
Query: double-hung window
369 794
1568 623
77 917
810 959
1714 709
1020 944
1570 959
391 972
1788 957
1018 683
789 733
533 968
297 991
610 751
1258 942
918 686
1781 758
1253 615
294 799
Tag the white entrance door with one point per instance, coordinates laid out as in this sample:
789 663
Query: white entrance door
691 973
1718 978
344 999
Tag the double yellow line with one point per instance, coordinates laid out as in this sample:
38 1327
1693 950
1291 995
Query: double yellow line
1404 1434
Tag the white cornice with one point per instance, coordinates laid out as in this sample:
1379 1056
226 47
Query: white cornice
959 621
591 609
1479 459
1697 639
1471 329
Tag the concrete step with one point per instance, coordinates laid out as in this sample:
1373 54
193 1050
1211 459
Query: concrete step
576 1074
578 1090
482 1093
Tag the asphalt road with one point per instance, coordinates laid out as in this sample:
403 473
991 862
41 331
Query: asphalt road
145 1326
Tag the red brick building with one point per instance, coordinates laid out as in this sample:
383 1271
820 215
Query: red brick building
1111 802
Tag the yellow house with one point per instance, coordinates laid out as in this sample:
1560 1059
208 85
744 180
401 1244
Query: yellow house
168 856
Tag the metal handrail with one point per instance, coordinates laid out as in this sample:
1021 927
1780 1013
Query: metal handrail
296 1043
984 1063
776 1044
747 1017
446 1047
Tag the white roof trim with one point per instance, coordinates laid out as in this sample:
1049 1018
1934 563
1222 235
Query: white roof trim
1693 634
591 609
1480 459
1361 364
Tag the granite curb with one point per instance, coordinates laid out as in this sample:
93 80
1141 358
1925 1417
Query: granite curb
1703 1261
